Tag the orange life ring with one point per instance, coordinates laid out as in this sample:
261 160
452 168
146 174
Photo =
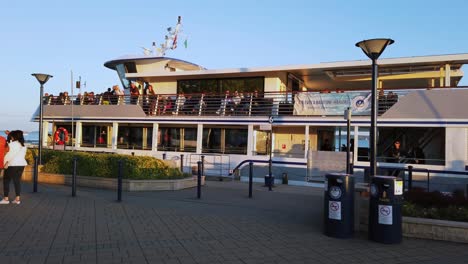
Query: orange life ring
61 136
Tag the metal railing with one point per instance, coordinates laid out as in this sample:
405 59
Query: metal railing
242 104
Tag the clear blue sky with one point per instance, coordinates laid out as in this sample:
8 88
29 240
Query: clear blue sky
57 37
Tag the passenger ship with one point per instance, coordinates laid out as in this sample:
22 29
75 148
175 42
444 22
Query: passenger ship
228 115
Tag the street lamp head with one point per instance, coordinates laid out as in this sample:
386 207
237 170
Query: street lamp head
42 78
373 48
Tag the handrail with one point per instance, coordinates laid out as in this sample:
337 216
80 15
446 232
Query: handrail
209 104
410 169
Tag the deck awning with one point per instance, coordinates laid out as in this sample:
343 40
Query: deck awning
431 104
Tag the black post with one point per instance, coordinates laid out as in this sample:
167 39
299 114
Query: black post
41 109
410 177
428 179
270 163
182 163
75 159
203 164
164 156
119 182
36 172
348 140
250 178
373 130
199 179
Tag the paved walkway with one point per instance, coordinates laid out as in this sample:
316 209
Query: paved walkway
225 226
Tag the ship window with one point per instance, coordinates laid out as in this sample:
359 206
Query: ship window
225 140
71 137
177 139
96 136
120 68
130 67
417 145
134 137
219 86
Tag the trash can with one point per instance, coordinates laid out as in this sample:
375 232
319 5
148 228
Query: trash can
339 205
386 198
267 180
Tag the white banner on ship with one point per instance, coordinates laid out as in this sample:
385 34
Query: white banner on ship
332 104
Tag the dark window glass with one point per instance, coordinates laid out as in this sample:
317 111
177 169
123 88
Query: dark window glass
130 137
416 145
212 140
236 141
190 139
219 86
130 67
225 140
169 139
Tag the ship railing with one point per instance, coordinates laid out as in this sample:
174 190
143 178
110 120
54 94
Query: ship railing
233 104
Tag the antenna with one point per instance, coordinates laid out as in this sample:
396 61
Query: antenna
170 40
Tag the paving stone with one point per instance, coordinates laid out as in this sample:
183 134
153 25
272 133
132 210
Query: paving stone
283 226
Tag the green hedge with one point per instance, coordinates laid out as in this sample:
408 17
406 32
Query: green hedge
436 205
451 213
105 165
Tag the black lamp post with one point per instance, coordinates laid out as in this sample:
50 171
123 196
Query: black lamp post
42 79
373 48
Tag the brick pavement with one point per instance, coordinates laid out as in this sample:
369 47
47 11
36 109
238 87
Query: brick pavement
283 226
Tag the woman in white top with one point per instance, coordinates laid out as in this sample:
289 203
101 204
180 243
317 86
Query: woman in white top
14 163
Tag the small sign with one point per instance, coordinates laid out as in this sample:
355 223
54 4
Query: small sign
265 127
334 210
335 192
398 187
385 215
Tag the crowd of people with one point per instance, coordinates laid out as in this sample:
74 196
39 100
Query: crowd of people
231 103
12 163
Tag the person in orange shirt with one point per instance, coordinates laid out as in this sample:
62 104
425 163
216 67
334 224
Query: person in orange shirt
3 151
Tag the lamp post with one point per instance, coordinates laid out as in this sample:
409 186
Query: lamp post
42 79
373 48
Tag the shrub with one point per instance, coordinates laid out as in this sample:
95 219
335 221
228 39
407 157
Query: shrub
436 205
107 165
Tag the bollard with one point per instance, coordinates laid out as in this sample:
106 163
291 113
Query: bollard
75 159
200 164
36 172
203 164
119 182
250 178
410 178
182 163
164 156
270 176
284 178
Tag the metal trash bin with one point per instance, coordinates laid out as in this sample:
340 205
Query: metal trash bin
385 220
339 205
267 181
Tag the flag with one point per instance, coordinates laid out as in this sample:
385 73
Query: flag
185 43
